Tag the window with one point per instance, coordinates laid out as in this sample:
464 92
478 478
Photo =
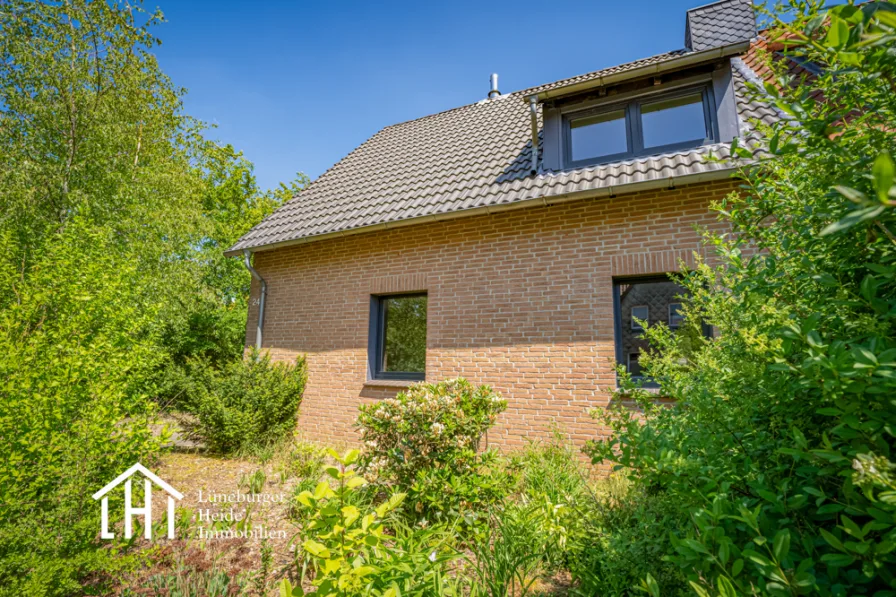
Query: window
598 136
642 313
675 315
637 298
670 121
397 347
677 120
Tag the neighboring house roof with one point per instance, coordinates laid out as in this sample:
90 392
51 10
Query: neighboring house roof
477 158
719 24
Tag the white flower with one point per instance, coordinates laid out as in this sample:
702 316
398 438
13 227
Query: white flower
432 557
437 428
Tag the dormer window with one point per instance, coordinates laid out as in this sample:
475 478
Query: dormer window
601 135
645 125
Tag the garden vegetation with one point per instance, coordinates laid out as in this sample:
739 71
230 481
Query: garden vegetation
114 212
778 452
770 473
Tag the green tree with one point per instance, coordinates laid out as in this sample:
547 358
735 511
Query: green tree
779 449
204 325
113 213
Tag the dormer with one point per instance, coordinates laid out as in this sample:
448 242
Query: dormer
673 103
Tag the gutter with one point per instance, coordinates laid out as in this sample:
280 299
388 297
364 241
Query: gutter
676 63
538 200
533 114
264 291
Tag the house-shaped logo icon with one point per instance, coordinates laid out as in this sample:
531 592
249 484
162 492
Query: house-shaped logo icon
129 510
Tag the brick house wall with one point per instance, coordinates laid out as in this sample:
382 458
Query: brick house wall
520 300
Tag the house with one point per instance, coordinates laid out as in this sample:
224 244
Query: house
516 241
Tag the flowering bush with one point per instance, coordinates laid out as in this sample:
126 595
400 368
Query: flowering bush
425 442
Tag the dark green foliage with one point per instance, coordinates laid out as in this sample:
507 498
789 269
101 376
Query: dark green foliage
251 402
620 535
778 453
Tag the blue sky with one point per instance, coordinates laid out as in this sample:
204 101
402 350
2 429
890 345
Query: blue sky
296 85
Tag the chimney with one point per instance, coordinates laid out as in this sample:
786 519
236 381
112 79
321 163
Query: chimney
493 92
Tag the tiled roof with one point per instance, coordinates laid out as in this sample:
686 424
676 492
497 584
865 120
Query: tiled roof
469 159
720 24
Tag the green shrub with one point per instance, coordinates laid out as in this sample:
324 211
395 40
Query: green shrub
779 451
551 469
71 419
425 443
617 536
349 550
609 534
251 403
507 560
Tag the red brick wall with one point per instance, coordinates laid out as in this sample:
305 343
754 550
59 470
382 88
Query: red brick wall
520 300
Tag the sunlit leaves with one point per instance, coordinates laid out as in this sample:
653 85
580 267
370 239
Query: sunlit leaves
780 444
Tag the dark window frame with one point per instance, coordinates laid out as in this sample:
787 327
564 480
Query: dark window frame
669 314
635 327
634 132
621 357
376 339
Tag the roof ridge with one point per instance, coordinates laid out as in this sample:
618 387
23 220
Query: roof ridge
708 4
484 102
621 65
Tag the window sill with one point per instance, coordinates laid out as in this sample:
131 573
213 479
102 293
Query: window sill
649 390
391 383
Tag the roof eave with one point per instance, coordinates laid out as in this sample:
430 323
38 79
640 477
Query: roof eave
659 183
671 64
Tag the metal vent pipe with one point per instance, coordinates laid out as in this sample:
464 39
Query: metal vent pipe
493 86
